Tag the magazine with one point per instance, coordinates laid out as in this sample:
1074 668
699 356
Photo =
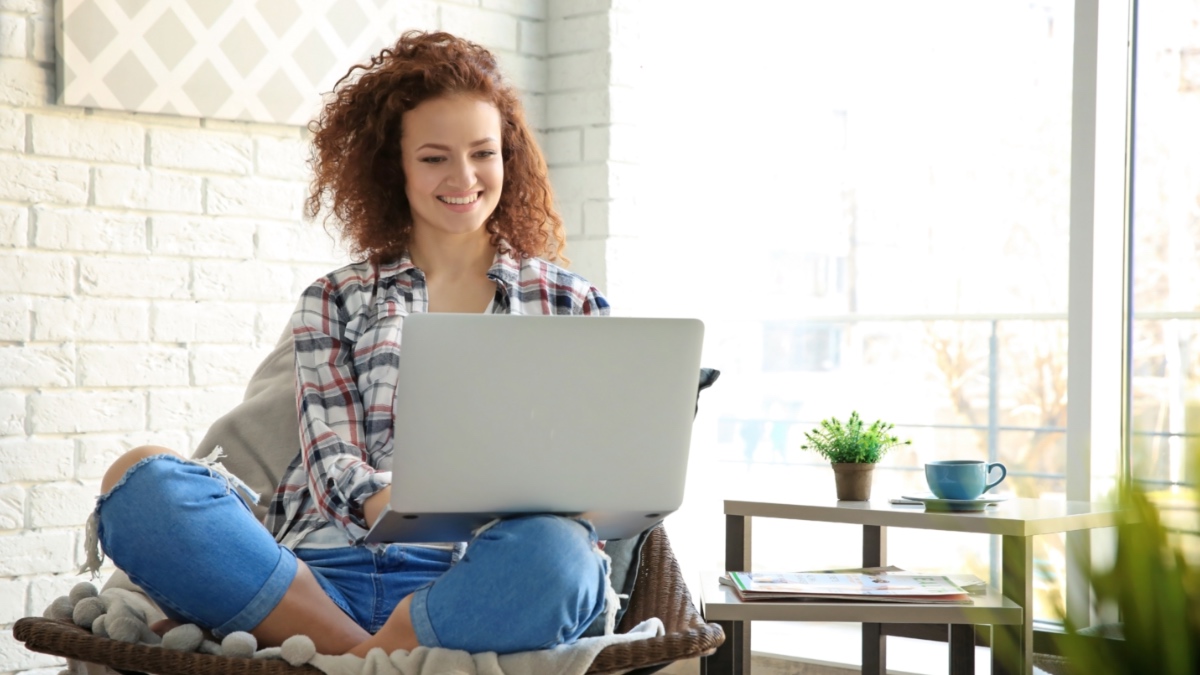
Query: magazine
872 584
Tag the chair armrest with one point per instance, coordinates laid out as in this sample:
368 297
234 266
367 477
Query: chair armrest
660 591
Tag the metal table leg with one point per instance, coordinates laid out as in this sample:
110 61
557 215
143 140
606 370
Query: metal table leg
962 649
733 656
874 642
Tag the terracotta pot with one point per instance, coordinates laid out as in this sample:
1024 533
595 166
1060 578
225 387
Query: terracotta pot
853 481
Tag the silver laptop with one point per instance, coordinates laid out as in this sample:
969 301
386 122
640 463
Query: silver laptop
498 415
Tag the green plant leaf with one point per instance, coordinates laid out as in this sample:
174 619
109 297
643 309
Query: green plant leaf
850 442
1155 588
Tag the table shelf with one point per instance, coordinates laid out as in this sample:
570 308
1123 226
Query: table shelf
1015 517
719 602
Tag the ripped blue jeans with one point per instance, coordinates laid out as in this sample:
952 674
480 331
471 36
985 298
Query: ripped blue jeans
185 537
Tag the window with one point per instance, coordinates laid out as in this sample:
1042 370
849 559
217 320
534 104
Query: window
874 197
1165 386
800 346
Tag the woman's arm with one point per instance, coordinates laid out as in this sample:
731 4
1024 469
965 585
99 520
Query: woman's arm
375 504
594 303
332 437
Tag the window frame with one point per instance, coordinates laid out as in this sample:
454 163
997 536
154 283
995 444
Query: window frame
1099 314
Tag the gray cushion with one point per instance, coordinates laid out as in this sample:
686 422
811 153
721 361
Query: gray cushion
261 435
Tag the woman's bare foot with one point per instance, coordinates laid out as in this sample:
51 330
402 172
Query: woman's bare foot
161 627
397 632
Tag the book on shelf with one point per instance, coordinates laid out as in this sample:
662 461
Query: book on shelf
866 584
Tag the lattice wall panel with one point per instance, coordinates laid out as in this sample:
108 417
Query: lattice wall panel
254 60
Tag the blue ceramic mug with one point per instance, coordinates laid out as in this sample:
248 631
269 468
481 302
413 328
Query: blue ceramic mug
961 478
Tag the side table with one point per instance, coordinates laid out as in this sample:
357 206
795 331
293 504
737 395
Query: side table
1017 521
720 603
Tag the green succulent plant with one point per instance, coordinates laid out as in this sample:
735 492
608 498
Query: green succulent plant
852 442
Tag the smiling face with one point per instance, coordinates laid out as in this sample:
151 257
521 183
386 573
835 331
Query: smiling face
450 151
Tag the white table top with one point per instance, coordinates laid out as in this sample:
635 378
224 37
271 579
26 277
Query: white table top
720 603
1017 517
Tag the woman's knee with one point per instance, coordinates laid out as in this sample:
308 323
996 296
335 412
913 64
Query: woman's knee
127 461
539 577
554 560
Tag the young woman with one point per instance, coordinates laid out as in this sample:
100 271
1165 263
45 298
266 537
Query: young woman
425 162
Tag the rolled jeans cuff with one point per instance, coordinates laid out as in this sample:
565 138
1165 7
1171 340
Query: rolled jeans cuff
419 614
267 599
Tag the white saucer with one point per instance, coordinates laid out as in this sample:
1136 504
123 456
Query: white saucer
933 503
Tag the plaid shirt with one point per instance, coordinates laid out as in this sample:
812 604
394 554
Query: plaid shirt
347 333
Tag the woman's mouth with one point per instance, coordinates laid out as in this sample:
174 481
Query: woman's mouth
460 201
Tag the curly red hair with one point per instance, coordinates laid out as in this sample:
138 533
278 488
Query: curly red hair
356 149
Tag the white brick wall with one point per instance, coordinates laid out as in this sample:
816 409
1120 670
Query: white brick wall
12 413
148 262
12 130
143 189
12 35
87 139
14 319
39 365
12 507
14 227
38 552
58 319
111 277
88 230
61 504
204 322
121 366
34 460
13 593
203 237
42 181
590 132
77 410
214 152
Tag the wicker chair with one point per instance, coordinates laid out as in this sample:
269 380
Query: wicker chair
659 591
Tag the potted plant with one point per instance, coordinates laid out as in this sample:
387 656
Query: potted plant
852 449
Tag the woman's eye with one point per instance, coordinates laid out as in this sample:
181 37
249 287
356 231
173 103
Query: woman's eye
485 154
432 160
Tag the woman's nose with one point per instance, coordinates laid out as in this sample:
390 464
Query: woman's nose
462 175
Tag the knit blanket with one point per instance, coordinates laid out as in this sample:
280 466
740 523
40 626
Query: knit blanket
570 659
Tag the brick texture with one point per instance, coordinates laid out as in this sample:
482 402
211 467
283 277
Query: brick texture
13 593
61 504
33 460
88 139
14 319
89 230
91 320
